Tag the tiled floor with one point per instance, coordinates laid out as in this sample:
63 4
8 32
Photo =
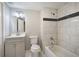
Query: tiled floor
28 54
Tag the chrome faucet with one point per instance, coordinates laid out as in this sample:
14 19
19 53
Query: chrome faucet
52 40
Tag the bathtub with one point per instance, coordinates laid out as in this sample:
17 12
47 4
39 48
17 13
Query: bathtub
58 51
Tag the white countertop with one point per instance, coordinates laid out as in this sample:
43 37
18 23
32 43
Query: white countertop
16 36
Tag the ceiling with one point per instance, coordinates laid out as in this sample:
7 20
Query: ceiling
36 5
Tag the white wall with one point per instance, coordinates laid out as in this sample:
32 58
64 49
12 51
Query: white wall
6 16
68 8
33 22
13 21
68 29
1 32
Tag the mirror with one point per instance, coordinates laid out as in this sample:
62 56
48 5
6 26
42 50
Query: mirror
20 25
18 22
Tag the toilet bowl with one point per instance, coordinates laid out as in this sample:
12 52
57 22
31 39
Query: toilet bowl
35 48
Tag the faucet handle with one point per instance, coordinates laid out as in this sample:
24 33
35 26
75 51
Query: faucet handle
51 38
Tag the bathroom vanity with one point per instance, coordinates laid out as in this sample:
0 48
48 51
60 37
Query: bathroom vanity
15 46
14 32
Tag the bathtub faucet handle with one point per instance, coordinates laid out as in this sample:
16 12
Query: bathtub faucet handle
51 38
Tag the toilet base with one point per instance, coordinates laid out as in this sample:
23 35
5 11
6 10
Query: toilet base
34 54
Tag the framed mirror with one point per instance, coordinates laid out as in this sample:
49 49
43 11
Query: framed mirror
20 25
17 22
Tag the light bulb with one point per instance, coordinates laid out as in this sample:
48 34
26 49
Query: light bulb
16 14
21 15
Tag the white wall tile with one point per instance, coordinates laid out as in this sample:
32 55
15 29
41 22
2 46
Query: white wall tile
49 30
68 34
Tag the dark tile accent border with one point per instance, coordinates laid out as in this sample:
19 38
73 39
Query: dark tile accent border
49 19
69 16
62 18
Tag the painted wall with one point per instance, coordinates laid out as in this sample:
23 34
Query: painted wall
1 32
68 30
68 8
6 13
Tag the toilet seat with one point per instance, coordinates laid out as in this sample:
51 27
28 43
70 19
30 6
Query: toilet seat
35 48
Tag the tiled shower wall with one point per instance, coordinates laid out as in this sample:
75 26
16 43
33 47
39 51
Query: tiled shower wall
48 28
68 29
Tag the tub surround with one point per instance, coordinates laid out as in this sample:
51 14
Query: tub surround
68 29
58 51
65 26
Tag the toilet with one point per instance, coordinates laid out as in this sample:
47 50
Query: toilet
35 48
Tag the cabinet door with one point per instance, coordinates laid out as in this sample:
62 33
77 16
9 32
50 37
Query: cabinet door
20 49
10 50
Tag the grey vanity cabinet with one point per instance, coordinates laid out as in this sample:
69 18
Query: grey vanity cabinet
14 48
20 49
10 50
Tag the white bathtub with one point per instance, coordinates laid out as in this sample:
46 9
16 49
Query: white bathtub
58 51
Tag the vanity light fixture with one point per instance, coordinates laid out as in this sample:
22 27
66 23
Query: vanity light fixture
19 15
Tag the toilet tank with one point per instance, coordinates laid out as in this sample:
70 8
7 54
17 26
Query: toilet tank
34 39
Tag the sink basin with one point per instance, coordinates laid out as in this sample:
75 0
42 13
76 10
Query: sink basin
15 36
